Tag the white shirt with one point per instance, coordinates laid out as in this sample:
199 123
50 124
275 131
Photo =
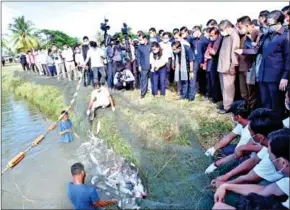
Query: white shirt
286 122
37 58
127 76
95 56
245 135
101 98
79 59
159 62
265 168
283 184
166 49
238 129
67 54
42 58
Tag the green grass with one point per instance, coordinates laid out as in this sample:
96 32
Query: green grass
110 133
47 99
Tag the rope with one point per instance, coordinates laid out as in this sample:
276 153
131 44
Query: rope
13 162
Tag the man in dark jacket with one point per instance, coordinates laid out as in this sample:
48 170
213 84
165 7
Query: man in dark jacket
23 62
275 65
200 44
88 74
143 55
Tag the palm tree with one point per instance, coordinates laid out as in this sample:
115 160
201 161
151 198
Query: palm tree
23 38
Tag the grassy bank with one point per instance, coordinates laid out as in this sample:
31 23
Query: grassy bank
48 99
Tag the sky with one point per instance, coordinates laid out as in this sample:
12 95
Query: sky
83 18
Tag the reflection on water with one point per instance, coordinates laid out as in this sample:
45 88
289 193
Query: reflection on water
42 175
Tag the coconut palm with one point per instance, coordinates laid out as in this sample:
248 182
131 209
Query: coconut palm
23 37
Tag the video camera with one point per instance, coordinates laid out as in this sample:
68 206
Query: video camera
124 30
105 27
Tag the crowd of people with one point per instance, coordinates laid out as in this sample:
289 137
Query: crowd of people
245 65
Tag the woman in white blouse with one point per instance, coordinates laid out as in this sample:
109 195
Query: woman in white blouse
158 63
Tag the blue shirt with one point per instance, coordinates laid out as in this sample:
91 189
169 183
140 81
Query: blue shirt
82 196
143 56
199 48
65 125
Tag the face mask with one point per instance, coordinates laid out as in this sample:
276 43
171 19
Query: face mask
77 51
53 49
86 43
254 141
212 39
195 35
286 23
176 51
155 51
165 40
142 42
223 33
234 121
273 28
243 31
287 105
152 36
280 171
206 36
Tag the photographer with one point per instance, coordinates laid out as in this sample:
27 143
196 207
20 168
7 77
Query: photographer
124 79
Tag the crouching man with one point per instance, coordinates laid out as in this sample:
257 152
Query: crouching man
100 97
81 195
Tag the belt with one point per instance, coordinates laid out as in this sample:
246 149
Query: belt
69 61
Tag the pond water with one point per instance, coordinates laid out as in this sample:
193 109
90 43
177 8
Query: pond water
40 180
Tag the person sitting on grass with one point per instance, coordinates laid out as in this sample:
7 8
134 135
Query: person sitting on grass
262 122
258 168
65 128
240 112
279 157
84 196
100 97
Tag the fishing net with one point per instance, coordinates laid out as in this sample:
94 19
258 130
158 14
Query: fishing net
172 175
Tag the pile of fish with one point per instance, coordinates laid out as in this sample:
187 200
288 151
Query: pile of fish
111 174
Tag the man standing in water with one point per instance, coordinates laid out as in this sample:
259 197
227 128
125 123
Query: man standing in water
65 128
100 97
81 195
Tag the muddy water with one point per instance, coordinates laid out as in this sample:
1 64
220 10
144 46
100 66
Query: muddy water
39 181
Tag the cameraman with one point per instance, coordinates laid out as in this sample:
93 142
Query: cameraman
124 79
114 53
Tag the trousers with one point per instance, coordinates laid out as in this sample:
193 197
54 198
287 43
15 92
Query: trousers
71 70
144 75
272 97
96 72
60 71
159 77
227 83
200 79
52 70
110 75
